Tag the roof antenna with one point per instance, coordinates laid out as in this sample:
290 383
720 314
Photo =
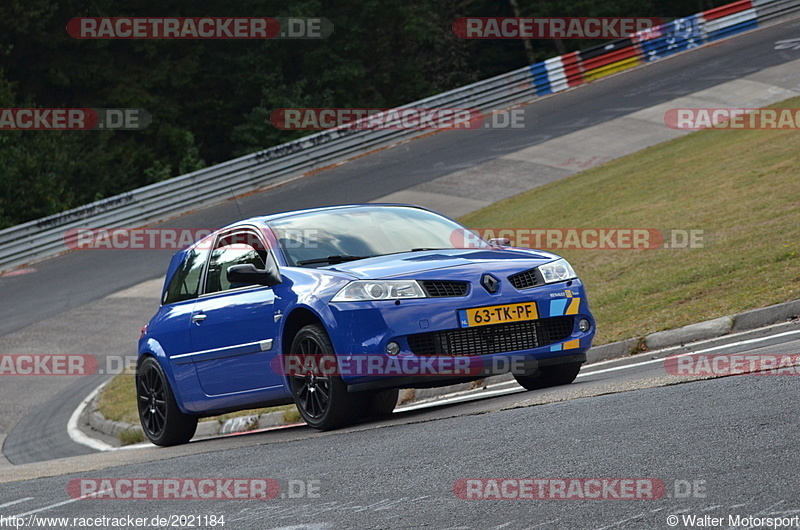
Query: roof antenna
236 201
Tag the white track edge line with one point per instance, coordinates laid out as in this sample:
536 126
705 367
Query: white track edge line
76 435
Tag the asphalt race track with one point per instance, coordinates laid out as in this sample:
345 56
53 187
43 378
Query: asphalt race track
732 438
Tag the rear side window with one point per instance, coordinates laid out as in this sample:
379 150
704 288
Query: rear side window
185 283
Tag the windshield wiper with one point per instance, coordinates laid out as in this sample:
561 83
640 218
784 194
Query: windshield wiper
332 260
421 249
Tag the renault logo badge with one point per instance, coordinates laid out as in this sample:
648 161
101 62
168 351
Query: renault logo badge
490 283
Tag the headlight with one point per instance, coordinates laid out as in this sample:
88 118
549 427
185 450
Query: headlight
379 290
557 271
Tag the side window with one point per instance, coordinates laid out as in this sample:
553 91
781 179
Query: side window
185 283
235 249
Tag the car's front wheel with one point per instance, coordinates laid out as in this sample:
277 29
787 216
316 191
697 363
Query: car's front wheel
321 398
162 421
547 376
382 403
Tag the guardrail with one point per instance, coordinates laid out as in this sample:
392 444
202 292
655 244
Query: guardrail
45 237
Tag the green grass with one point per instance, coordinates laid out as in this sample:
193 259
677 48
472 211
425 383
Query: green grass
117 400
291 415
741 187
131 436
253 412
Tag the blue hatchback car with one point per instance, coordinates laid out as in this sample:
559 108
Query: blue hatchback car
335 309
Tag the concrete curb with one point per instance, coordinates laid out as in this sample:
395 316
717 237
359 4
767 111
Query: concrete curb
94 420
99 423
693 332
756 318
611 351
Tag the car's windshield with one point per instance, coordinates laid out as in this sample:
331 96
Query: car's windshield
317 239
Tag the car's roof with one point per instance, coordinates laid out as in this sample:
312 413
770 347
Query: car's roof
283 215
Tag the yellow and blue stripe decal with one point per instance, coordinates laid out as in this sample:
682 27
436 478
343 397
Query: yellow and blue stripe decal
564 306
569 345
561 307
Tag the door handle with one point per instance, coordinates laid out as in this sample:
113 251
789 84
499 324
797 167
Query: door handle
199 317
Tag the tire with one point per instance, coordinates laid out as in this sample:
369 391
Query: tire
382 403
547 376
322 400
162 421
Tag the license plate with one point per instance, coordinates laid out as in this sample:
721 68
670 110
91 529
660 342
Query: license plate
497 314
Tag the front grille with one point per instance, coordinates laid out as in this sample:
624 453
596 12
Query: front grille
526 279
497 338
441 289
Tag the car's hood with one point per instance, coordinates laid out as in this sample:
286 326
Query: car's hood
410 263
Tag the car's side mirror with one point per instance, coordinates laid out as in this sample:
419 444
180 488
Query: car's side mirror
500 242
248 274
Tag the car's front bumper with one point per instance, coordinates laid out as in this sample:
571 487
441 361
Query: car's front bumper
529 367
452 353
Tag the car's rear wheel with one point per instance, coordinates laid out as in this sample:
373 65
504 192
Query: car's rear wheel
547 376
162 421
321 398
